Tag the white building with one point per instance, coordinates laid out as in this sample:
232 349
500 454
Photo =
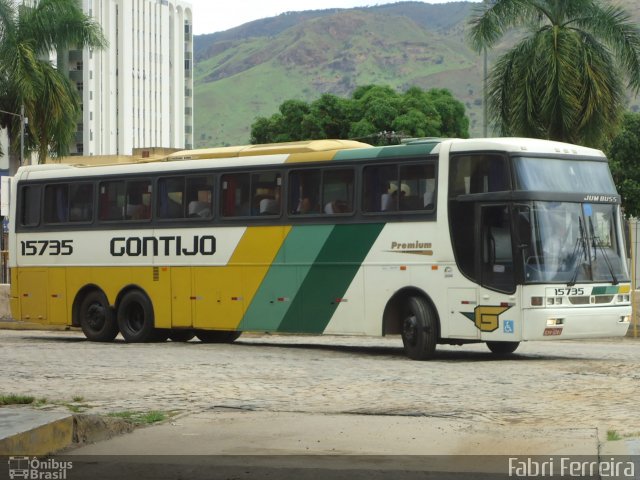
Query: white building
138 92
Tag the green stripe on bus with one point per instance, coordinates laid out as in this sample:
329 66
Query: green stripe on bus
611 290
357 153
280 286
330 276
407 150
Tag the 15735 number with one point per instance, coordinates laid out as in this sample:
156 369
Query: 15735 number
46 247
569 291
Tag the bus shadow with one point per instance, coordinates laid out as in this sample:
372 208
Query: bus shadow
398 353
389 352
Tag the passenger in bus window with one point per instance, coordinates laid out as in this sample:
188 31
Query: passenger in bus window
390 199
337 206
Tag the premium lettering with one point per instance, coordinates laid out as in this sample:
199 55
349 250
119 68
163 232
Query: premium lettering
163 246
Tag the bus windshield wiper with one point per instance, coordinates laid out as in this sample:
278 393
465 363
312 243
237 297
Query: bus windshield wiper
595 242
579 250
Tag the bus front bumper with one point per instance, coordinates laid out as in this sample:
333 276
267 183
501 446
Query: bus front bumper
568 323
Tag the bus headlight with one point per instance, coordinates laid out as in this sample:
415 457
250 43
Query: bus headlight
554 322
625 318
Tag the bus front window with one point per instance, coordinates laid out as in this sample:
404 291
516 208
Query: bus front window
570 243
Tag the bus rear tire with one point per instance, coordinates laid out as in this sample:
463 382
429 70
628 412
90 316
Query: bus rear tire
419 329
96 317
217 336
503 348
136 318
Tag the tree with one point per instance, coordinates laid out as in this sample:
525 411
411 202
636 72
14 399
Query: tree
28 36
625 163
375 113
564 79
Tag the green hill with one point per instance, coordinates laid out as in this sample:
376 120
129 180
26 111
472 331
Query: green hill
250 70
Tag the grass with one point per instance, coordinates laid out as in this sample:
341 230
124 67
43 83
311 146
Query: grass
13 399
613 436
141 418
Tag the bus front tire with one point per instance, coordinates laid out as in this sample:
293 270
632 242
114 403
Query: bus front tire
503 348
136 318
217 336
96 318
419 329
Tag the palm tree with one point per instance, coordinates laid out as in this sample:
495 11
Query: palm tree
28 36
564 78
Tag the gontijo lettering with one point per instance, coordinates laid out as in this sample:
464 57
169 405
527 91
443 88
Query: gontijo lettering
164 245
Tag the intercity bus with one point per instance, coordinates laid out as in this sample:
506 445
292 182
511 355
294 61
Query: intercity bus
439 241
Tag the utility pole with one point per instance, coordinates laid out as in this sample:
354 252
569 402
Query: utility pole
484 95
23 121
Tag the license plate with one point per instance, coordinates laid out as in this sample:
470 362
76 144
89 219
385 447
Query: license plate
552 332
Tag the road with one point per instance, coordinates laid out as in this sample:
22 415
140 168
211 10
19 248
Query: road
283 406
572 384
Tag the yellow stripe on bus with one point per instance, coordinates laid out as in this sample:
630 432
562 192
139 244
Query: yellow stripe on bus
223 294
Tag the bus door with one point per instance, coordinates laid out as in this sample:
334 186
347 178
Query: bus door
496 272
488 261
496 256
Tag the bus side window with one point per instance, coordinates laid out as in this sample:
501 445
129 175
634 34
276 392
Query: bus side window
337 191
30 205
170 197
111 202
56 203
200 197
380 189
138 206
81 202
418 184
304 192
480 173
235 195
265 188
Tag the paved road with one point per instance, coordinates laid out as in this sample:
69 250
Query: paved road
586 384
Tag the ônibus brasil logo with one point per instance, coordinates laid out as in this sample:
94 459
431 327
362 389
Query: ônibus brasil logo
36 469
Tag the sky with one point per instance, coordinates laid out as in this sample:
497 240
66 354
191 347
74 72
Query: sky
211 16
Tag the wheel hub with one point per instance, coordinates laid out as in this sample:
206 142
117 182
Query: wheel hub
410 329
95 315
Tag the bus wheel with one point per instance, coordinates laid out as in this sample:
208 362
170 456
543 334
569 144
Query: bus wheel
96 317
217 336
503 348
136 318
181 335
419 329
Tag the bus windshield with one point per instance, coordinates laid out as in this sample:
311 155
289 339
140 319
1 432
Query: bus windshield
561 175
565 242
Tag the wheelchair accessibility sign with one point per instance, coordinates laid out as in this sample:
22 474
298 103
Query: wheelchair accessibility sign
508 326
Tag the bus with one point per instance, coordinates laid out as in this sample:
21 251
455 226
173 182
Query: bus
438 241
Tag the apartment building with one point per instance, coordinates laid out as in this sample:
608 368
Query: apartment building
138 92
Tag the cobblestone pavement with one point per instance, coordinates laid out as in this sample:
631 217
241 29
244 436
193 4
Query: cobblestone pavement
570 384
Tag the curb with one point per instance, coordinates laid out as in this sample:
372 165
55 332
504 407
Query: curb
47 433
46 436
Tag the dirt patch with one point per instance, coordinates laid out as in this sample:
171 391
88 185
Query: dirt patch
96 428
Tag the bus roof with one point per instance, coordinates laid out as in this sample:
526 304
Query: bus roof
310 151
307 146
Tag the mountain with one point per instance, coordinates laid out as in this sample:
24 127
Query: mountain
248 71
